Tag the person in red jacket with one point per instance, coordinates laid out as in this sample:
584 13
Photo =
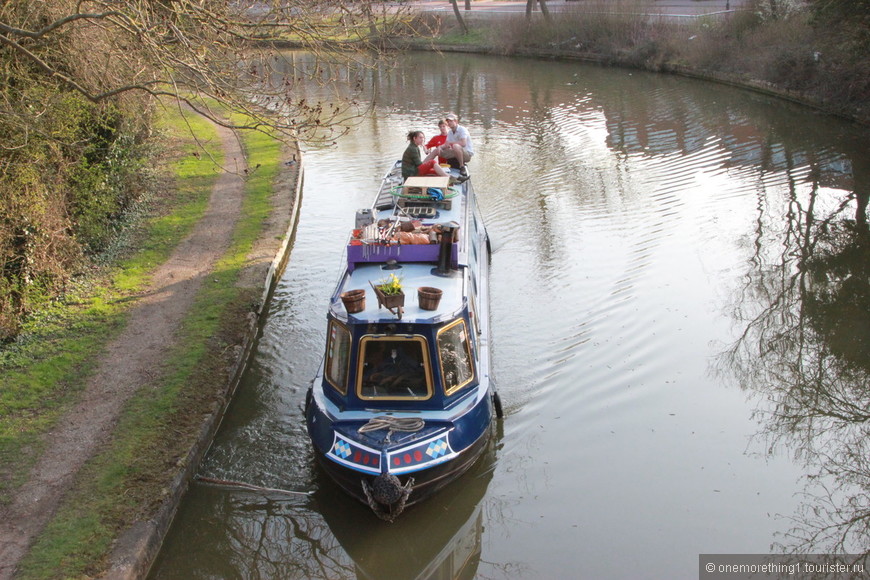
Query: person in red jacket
439 139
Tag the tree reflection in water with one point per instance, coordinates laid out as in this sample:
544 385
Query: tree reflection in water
805 347
261 537
329 535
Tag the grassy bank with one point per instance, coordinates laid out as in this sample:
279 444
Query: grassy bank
44 369
124 483
791 52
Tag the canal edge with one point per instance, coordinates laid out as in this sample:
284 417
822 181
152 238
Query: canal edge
136 549
732 80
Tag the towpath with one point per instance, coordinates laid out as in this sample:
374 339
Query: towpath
131 362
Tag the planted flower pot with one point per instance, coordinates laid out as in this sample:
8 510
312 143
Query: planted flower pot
390 300
390 294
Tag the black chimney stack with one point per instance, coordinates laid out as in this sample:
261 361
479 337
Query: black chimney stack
444 255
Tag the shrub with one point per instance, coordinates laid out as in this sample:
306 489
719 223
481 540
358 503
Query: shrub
67 172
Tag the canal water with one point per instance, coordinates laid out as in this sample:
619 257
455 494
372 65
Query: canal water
680 328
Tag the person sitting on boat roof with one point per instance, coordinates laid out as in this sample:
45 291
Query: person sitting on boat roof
412 160
413 165
458 145
438 140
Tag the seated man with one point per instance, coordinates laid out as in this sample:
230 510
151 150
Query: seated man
438 140
458 146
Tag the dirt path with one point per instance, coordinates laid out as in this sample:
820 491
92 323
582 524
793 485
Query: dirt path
131 362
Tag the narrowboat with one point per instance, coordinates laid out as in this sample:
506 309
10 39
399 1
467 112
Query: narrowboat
404 401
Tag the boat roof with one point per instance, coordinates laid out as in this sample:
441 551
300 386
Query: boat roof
413 276
371 261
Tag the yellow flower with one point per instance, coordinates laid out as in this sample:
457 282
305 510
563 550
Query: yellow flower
391 285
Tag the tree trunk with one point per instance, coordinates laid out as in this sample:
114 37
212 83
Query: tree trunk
545 10
468 4
459 16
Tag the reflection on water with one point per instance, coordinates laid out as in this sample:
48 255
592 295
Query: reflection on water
657 243
329 535
806 350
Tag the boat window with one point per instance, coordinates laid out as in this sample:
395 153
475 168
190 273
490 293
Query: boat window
394 367
337 356
454 352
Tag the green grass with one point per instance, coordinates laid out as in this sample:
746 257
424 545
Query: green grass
475 37
124 483
195 174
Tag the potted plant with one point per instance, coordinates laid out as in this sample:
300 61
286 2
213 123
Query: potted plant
390 292
391 286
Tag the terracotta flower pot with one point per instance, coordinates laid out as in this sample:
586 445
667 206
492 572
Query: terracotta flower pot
428 297
354 301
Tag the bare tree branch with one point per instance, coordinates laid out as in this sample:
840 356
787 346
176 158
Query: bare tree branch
186 49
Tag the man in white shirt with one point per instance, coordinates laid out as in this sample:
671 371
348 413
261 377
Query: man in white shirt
458 145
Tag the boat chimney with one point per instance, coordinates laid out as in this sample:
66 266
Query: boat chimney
448 232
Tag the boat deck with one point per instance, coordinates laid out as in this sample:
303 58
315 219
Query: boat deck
372 256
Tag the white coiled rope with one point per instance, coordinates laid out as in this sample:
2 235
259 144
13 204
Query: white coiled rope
404 424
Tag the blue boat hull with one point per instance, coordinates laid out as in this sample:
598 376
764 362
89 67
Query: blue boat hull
426 482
